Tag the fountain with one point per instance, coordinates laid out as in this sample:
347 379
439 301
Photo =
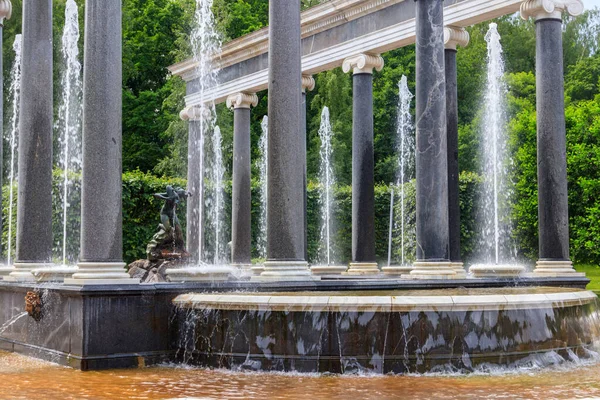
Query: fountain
68 127
206 43
13 139
405 148
327 184
262 164
495 239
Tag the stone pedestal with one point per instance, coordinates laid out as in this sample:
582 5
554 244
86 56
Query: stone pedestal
431 146
34 207
453 36
241 200
328 269
101 256
397 269
363 183
553 215
285 213
496 271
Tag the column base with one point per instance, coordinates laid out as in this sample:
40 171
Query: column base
362 268
200 273
431 270
555 269
101 273
397 269
56 273
496 271
22 272
459 268
328 269
5 271
257 269
285 271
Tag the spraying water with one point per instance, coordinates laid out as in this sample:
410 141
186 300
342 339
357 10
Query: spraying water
405 148
13 134
205 43
326 185
495 229
263 162
215 171
69 122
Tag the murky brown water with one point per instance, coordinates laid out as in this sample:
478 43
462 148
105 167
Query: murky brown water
26 378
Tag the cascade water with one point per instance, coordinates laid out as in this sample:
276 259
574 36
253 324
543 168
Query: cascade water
263 162
214 204
13 135
205 43
326 186
68 127
494 216
405 149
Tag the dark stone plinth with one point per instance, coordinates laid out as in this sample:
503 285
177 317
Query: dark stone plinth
34 209
363 164
553 213
241 236
320 340
431 147
452 143
123 326
101 186
285 213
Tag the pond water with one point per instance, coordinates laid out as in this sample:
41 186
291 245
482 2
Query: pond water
27 378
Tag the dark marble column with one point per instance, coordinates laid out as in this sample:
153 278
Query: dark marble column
241 199
453 36
553 216
101 254
34 205
5 13
308 84
285 213
431 146
363 182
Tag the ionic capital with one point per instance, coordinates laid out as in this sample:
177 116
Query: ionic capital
5 10
308 83
242 100
541 9
363 63
191 113
455 36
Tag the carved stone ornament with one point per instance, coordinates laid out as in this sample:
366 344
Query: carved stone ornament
33 305
455 36
5 10
191 113
242 100
308 83
363 64
541 9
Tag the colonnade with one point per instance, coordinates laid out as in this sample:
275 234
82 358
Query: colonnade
438 224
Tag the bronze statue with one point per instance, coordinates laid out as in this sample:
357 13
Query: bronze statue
168 241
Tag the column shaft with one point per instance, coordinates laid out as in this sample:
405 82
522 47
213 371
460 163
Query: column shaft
101 256
34 207
452 142
303 135
241 195
551 143
285 213
363 184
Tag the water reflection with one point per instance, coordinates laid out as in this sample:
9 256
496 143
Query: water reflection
26 378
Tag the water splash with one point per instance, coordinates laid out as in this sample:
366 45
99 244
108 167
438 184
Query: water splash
13 135
263 163
495 226
11 322
405 148
326 185
215 171
69 126
206 44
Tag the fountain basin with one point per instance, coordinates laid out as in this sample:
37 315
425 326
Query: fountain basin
385 331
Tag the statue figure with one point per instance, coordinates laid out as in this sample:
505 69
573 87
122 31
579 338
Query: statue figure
168 241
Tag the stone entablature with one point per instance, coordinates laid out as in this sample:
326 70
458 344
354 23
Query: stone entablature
363 64
242 100
455 36
544 9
